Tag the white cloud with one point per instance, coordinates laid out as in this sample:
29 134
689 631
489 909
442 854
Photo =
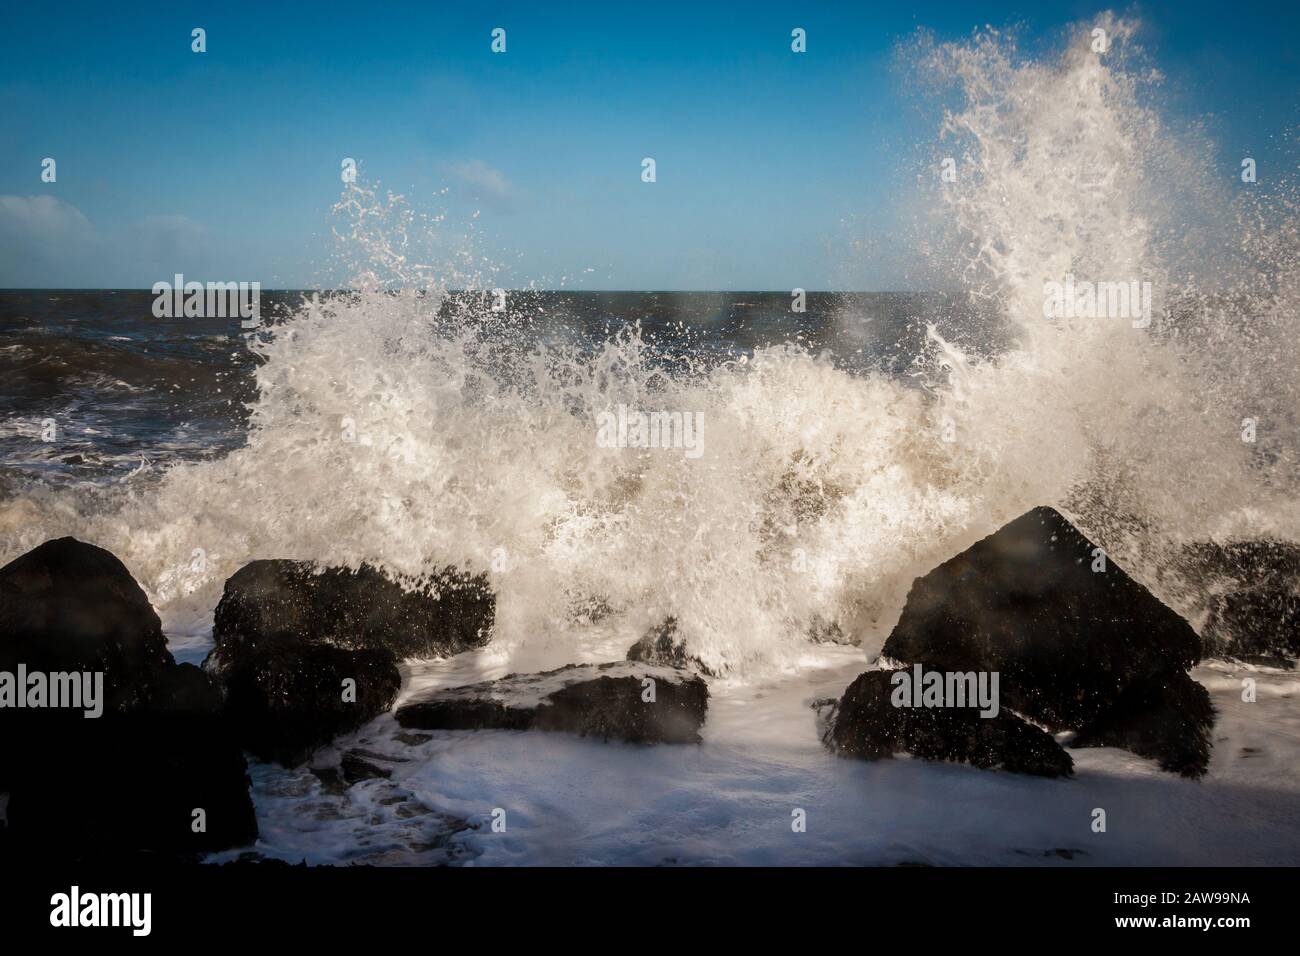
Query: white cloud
42 238
485 182
41 219
46 242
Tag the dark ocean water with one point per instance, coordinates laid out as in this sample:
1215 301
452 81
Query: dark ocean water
93 385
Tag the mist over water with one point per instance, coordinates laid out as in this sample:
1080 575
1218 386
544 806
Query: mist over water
408 427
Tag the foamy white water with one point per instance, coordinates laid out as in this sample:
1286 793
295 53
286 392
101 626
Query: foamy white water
382 434
821 493
728 801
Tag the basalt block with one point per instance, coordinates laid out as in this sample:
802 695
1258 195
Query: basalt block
69 606
1026 602
139 759
639 703
867 724
286 698
1168 719
286 601
1077 643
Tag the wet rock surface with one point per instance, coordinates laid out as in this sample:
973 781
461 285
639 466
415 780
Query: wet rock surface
1071 635
285 698
158 771
865 724
281 600
306 653
1168 719
71 606
608 701
664 645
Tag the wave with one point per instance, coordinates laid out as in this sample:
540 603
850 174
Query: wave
389 429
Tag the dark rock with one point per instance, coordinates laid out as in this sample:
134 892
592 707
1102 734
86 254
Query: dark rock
1061 852
664 645
355 768
126 782
186 689
130 782
866 724
331 780
1065 853
287 634
413 740
1254 608
1168 719
68 606
1026 603
591 700
285 698
354 610
1256 624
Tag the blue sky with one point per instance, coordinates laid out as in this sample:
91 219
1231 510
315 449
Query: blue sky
773 168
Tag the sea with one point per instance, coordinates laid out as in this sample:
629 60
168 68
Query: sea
414 419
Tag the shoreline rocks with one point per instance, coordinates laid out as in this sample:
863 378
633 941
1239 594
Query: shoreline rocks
288 698
157 771
308 653
72 607
866 724
664 645
638 703
1167 719
356 610
1071 635
1025 602
303 655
